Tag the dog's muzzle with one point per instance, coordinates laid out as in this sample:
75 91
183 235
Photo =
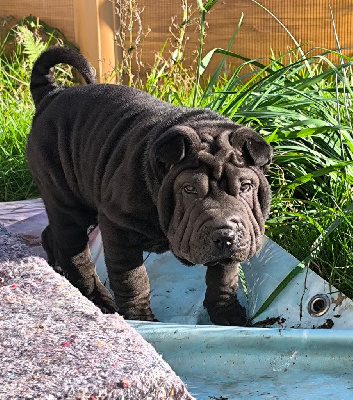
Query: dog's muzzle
209 240
228 243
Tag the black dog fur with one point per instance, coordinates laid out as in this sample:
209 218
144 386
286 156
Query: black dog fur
154 177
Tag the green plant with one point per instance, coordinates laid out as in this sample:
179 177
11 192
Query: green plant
169 79
128 39
16 111
32 45
303 110
301 107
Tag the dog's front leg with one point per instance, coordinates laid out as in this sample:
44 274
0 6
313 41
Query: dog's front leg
220 298
127 274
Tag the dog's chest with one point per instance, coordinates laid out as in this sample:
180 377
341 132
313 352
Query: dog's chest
156 246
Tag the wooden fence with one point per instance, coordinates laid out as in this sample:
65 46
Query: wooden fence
92 24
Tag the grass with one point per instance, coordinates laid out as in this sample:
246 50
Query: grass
16 111
301 106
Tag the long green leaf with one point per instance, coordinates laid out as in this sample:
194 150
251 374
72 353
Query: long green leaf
209 4
208 56
205 62
323 171
305 132
283 284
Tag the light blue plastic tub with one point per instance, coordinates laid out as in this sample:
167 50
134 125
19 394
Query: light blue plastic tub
256 363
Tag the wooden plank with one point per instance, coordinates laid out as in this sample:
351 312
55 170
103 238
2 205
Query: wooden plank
94 34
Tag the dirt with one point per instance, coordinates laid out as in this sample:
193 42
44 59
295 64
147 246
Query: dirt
270 321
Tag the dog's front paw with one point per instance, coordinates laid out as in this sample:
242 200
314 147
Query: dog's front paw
138 313
233 314
101 297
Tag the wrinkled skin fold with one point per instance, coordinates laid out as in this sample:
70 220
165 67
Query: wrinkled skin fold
154 177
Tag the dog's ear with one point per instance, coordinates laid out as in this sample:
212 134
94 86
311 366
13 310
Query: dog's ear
259 151
254 148
174 145
170 149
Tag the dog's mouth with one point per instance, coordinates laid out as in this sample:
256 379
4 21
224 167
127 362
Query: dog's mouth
184 261
233 258
223 261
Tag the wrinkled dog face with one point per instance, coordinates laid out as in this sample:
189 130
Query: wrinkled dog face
216 220
219 194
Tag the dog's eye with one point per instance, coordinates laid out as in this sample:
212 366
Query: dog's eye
190 189
246 186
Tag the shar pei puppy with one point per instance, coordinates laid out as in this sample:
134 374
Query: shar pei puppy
154 177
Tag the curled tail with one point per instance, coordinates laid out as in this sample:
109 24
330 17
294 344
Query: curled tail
42 79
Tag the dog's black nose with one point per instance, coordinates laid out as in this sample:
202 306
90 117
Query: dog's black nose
223 239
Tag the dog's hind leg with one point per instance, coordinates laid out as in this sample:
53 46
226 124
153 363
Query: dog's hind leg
48 245
66 243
